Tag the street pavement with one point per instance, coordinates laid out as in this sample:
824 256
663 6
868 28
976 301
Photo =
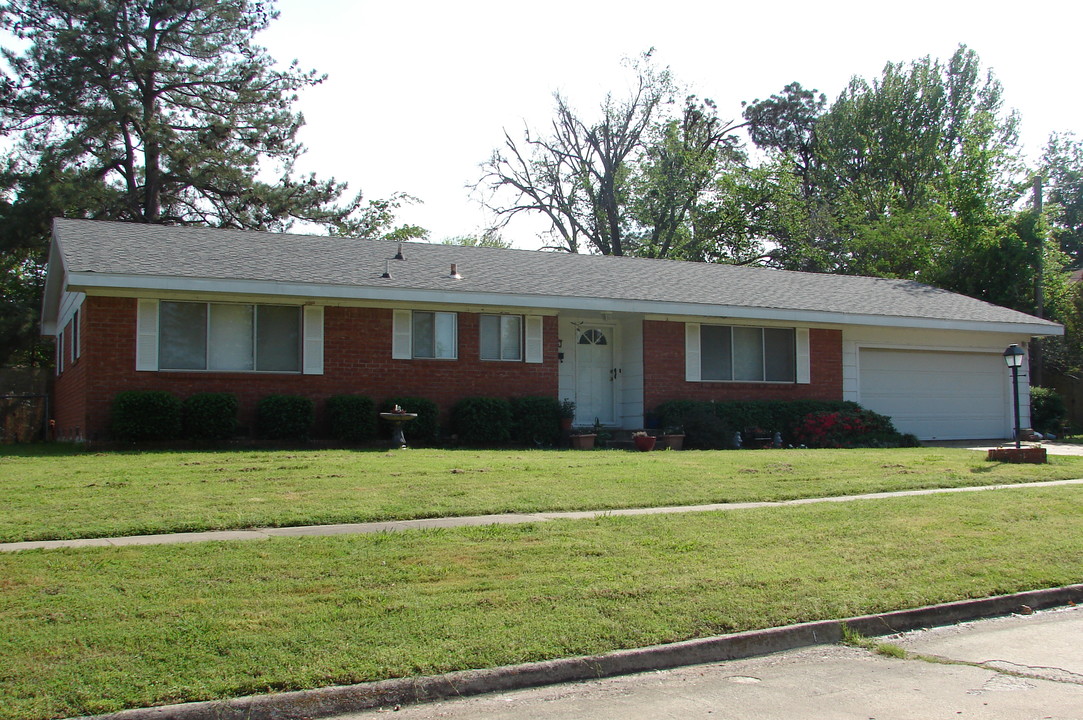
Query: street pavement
1023 667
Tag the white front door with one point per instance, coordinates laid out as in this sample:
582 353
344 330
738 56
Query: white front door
595 375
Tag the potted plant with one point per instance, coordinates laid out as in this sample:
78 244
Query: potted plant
582 439
567 412
643 441
673 438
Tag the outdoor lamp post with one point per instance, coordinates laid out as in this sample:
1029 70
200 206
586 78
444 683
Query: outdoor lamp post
1013 356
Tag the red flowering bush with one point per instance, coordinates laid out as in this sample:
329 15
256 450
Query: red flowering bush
847 429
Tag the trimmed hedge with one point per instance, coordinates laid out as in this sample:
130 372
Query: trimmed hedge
425 428
482 421
351 418
711 425
285 417
1048 410
536 420
209 416
140 415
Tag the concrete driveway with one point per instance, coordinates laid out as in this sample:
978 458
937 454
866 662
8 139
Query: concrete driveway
1020 667
1052 447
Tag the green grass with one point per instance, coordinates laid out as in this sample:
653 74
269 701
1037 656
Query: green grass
98 629
58 493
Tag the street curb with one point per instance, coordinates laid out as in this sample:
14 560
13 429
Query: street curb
340 700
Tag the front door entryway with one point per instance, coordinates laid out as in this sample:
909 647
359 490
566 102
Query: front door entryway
595 375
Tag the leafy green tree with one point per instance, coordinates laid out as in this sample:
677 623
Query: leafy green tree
25 225
161 111
668 187
911 175
173 107
1062 164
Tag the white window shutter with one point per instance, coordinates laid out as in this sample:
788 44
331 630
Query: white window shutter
534 345
804 360
692 366
312 361
400 335
146 343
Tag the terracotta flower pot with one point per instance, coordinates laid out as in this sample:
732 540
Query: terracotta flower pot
644 443
582 442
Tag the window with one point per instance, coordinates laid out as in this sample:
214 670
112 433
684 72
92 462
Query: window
229 337
501 337
434 335
747 354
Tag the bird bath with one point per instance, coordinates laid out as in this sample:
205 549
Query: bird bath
397 420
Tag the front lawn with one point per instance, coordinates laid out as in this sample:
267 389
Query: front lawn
95 630
50 492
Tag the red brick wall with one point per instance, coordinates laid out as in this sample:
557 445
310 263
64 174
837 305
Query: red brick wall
69 390
663 362
357 359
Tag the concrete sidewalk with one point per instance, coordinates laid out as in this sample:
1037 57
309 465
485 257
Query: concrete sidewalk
470 520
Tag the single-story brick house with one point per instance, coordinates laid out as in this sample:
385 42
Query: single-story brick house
196 309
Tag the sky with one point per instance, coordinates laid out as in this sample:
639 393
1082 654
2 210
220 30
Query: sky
420 92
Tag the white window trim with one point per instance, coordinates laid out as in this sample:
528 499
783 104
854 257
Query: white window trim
312 340
533 330
693 357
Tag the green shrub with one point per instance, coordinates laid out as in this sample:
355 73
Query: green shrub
482 421
425 428
145 415
536 420
209 416
712 425
351 418
285 417
704 430
1048 410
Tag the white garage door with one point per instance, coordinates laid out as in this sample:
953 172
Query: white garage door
938 395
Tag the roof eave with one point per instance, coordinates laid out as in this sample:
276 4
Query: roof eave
83 281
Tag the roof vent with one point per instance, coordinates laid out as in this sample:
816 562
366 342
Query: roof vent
387 269
455 272
399 255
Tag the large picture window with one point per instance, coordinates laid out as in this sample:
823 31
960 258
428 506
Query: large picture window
229 337
434 335
501 337
748 354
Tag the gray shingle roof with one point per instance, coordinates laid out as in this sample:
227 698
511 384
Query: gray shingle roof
136 250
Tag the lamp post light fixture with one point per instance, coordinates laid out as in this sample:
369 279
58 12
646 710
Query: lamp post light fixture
1013 356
